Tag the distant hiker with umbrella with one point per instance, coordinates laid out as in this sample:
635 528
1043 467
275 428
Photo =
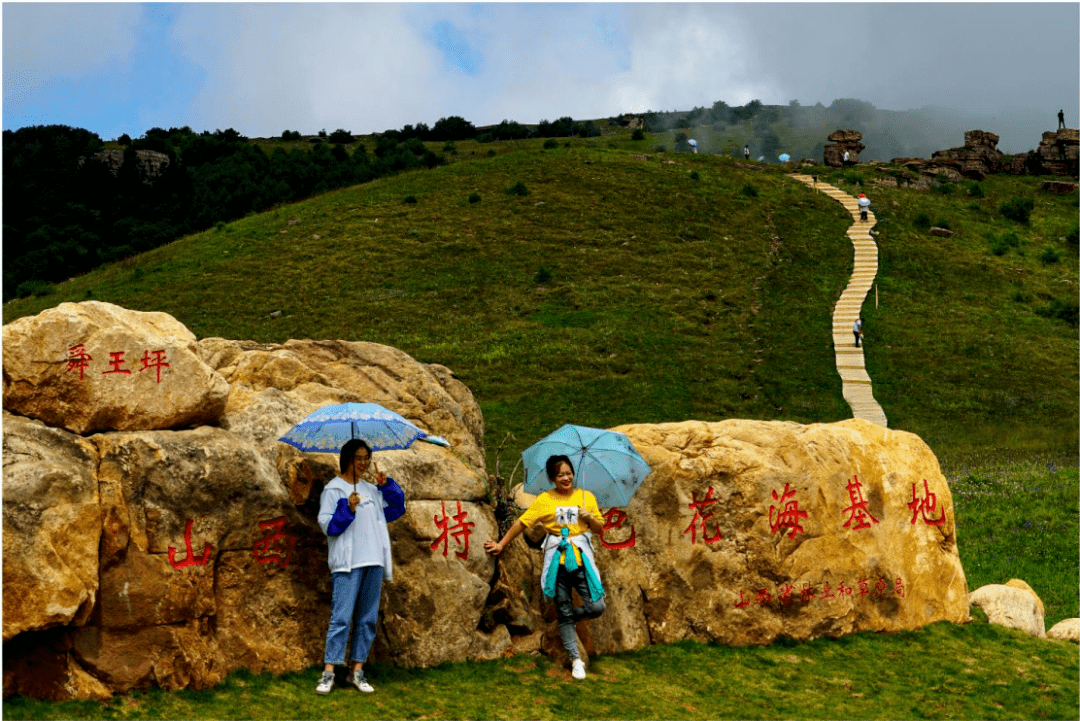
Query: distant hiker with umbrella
353 511
864 204
857 330
567 514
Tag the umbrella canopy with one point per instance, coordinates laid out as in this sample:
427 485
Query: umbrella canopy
784 157
327 429
863 201
605 463
691 142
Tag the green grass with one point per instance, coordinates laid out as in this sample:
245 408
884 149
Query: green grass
977 671
622 290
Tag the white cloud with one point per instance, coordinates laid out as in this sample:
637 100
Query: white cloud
44 42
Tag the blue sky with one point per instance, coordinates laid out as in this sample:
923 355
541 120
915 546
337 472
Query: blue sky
262 68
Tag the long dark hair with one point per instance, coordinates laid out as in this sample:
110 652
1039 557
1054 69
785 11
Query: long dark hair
348 452
552 466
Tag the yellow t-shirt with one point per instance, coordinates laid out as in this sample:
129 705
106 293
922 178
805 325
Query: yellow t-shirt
553 512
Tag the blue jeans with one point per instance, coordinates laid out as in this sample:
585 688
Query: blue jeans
566 581
356 598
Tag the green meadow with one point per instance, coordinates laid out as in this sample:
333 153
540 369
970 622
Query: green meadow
600 282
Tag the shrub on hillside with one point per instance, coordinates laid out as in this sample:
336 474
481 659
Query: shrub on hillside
290 135
659 149
543 275
485 138
1017 208
1001 244
409 200
749 190
453 128
431 160
550 144
921 221
449 147
694 175
637 135
518 188
124 139
976 191
1073 237
588 130
1050 255
1063 310
474 197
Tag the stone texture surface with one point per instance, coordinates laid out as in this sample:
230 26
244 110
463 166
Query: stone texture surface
52 527
1011 607
1068 630
689 587
849 140
725 575
1017 583
149 164
300 376
43 380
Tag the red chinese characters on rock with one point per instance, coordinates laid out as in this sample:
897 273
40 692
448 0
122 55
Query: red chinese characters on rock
857 511
192 559
927 506
156 363
613 520
79 360
785 594
116 360
275 546
460 531
702 518
787 518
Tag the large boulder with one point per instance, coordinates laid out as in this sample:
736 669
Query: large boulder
748 530
1011 607
301 375
52 527
94 366
1067 630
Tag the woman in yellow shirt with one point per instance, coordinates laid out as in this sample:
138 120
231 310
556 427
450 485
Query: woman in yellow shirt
568 514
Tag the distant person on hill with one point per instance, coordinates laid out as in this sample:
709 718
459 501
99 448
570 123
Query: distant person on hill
864 203
353 511
857 328
1061 119
567 514
847 158
746 152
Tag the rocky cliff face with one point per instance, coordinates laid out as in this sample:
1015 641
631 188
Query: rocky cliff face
843 140
149 164
178 542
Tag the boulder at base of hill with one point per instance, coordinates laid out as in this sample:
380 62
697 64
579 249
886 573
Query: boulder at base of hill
1068 630
94 366
52 527
1017 583
274 386
1011 607
747 531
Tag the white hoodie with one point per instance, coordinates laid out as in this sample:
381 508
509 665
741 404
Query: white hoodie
366 542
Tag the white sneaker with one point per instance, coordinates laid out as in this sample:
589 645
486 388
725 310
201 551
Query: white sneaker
356 678
325 683
577 669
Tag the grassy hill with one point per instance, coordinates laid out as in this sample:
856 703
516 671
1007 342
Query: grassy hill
645 287
617 285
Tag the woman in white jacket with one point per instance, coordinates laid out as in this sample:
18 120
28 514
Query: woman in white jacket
353 511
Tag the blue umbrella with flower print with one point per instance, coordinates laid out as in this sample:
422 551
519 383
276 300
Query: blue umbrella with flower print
327 429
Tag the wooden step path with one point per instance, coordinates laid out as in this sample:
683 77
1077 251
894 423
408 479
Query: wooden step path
850 363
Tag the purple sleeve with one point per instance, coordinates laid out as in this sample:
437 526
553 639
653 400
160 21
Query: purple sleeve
394 498
342 518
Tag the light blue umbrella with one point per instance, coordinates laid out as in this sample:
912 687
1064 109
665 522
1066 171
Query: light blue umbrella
327 429
605 463
784 157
